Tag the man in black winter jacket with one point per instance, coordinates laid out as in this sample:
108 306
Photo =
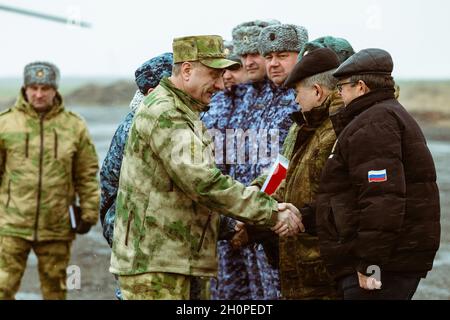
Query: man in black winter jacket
378 211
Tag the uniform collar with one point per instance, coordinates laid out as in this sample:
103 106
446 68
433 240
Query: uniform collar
359 105
315 117
192 103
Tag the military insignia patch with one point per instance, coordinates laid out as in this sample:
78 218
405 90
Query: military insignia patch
40 73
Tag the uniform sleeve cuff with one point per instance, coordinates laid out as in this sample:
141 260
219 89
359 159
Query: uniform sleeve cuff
273 216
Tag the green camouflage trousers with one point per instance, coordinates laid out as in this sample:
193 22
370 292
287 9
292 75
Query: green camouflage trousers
53 259
164 286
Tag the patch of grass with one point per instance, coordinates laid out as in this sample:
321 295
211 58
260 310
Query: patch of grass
425 96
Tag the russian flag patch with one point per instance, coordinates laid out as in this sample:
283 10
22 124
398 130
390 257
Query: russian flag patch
377 175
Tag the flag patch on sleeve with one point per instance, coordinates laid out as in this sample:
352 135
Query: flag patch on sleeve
377 175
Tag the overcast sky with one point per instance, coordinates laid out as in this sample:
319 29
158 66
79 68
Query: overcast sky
126 33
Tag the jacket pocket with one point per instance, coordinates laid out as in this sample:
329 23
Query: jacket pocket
331 224
205 228
9 194
27 144
55 144
130 218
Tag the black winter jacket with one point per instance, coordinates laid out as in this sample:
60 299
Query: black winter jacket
378 202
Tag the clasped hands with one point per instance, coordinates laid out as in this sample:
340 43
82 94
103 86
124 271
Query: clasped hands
289 223
289 220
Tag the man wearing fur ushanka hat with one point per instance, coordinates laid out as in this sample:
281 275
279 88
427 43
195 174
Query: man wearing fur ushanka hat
259 107
280 46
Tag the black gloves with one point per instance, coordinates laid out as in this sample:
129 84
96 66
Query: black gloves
83 227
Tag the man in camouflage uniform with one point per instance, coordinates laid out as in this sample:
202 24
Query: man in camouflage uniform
302 272
46 158
170 191
262 106
147 77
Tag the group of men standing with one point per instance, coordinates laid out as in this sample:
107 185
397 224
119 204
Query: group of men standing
181 200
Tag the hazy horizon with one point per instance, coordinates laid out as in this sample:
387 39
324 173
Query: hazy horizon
125 34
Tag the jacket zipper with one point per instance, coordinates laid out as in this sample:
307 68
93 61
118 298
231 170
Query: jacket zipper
204 231
56 144
41 159
128 227
27 141
9 193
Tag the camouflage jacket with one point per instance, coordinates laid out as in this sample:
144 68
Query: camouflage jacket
110 172
170 192
45 161
302 272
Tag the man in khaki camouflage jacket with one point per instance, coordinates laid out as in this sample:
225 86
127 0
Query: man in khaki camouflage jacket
170 191
46 159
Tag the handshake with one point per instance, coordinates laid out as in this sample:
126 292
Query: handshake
289 223
289 220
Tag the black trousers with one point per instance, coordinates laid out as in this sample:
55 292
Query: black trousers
394 287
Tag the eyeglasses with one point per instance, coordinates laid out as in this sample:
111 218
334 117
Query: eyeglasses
339 85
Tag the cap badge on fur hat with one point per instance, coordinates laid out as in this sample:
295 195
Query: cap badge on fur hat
40 72
245 36
283 37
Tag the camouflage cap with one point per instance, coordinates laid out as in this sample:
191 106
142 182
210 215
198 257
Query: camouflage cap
150 73
39 72
208 50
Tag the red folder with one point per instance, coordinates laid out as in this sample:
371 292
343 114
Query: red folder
276 175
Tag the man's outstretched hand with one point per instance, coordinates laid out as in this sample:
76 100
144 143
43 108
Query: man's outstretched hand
289 221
